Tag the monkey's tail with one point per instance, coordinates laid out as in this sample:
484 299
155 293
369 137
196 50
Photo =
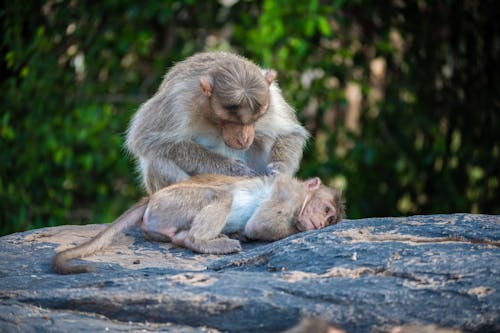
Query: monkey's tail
60 262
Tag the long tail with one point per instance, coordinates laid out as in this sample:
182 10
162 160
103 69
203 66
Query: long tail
130 218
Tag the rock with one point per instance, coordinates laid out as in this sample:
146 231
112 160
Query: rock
368 275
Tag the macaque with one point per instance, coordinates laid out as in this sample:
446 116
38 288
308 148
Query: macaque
200 212
215 113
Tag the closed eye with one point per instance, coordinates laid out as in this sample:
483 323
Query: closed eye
261 109
232 108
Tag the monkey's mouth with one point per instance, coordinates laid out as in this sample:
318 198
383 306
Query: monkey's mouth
237 145
238 136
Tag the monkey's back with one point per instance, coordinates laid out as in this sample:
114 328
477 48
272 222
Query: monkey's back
212 179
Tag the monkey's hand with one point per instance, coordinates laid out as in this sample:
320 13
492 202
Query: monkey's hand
274 168
239 168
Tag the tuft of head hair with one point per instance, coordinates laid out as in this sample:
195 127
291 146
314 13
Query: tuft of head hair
237 82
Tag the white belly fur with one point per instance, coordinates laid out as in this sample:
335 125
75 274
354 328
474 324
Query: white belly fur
245 203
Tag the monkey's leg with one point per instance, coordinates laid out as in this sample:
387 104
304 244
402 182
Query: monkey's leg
172 210
205 233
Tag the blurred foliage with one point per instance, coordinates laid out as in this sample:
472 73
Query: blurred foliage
402 98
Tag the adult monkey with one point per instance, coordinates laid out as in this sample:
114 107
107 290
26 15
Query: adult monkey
215 113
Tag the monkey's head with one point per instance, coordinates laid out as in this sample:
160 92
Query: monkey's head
238 94
322 207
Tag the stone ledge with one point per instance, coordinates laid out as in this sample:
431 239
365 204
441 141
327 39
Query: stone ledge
360 275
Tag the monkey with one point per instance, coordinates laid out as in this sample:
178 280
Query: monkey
200 213
215 113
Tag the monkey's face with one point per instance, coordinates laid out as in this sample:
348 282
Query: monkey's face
324 208
238 94
236 120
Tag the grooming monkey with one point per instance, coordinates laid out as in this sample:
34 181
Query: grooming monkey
215 113
198 214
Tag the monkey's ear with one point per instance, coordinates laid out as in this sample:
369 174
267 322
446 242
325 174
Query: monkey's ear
270 76
206 86
313 184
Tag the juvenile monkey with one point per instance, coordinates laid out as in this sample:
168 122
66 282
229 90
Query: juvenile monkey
198 214
215 113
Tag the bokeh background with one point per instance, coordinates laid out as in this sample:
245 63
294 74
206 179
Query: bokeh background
401 97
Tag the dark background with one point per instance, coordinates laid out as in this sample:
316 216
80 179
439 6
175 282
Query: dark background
402 97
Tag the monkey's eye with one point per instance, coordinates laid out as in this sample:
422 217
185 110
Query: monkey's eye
232 108
261 108
327 210
330 220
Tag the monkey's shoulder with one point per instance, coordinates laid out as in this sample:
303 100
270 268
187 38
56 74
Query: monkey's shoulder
286 188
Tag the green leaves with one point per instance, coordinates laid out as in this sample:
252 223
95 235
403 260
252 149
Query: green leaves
404 118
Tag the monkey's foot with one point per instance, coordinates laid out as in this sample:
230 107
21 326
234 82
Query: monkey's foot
221 245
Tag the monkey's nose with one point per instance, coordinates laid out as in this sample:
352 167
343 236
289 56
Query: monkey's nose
243 142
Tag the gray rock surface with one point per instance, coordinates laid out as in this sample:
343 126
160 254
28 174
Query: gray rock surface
367 275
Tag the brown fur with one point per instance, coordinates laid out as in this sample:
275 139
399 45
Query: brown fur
197 214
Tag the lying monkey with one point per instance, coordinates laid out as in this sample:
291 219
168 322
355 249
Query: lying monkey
198 214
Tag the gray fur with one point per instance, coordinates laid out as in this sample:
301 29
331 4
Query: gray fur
172 136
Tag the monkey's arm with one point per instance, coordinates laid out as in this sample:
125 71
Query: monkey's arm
195 159
159 135
272 221
168 163
286 154
276 218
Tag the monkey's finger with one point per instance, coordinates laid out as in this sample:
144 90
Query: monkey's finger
271 172
253 173
273 169
241 169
